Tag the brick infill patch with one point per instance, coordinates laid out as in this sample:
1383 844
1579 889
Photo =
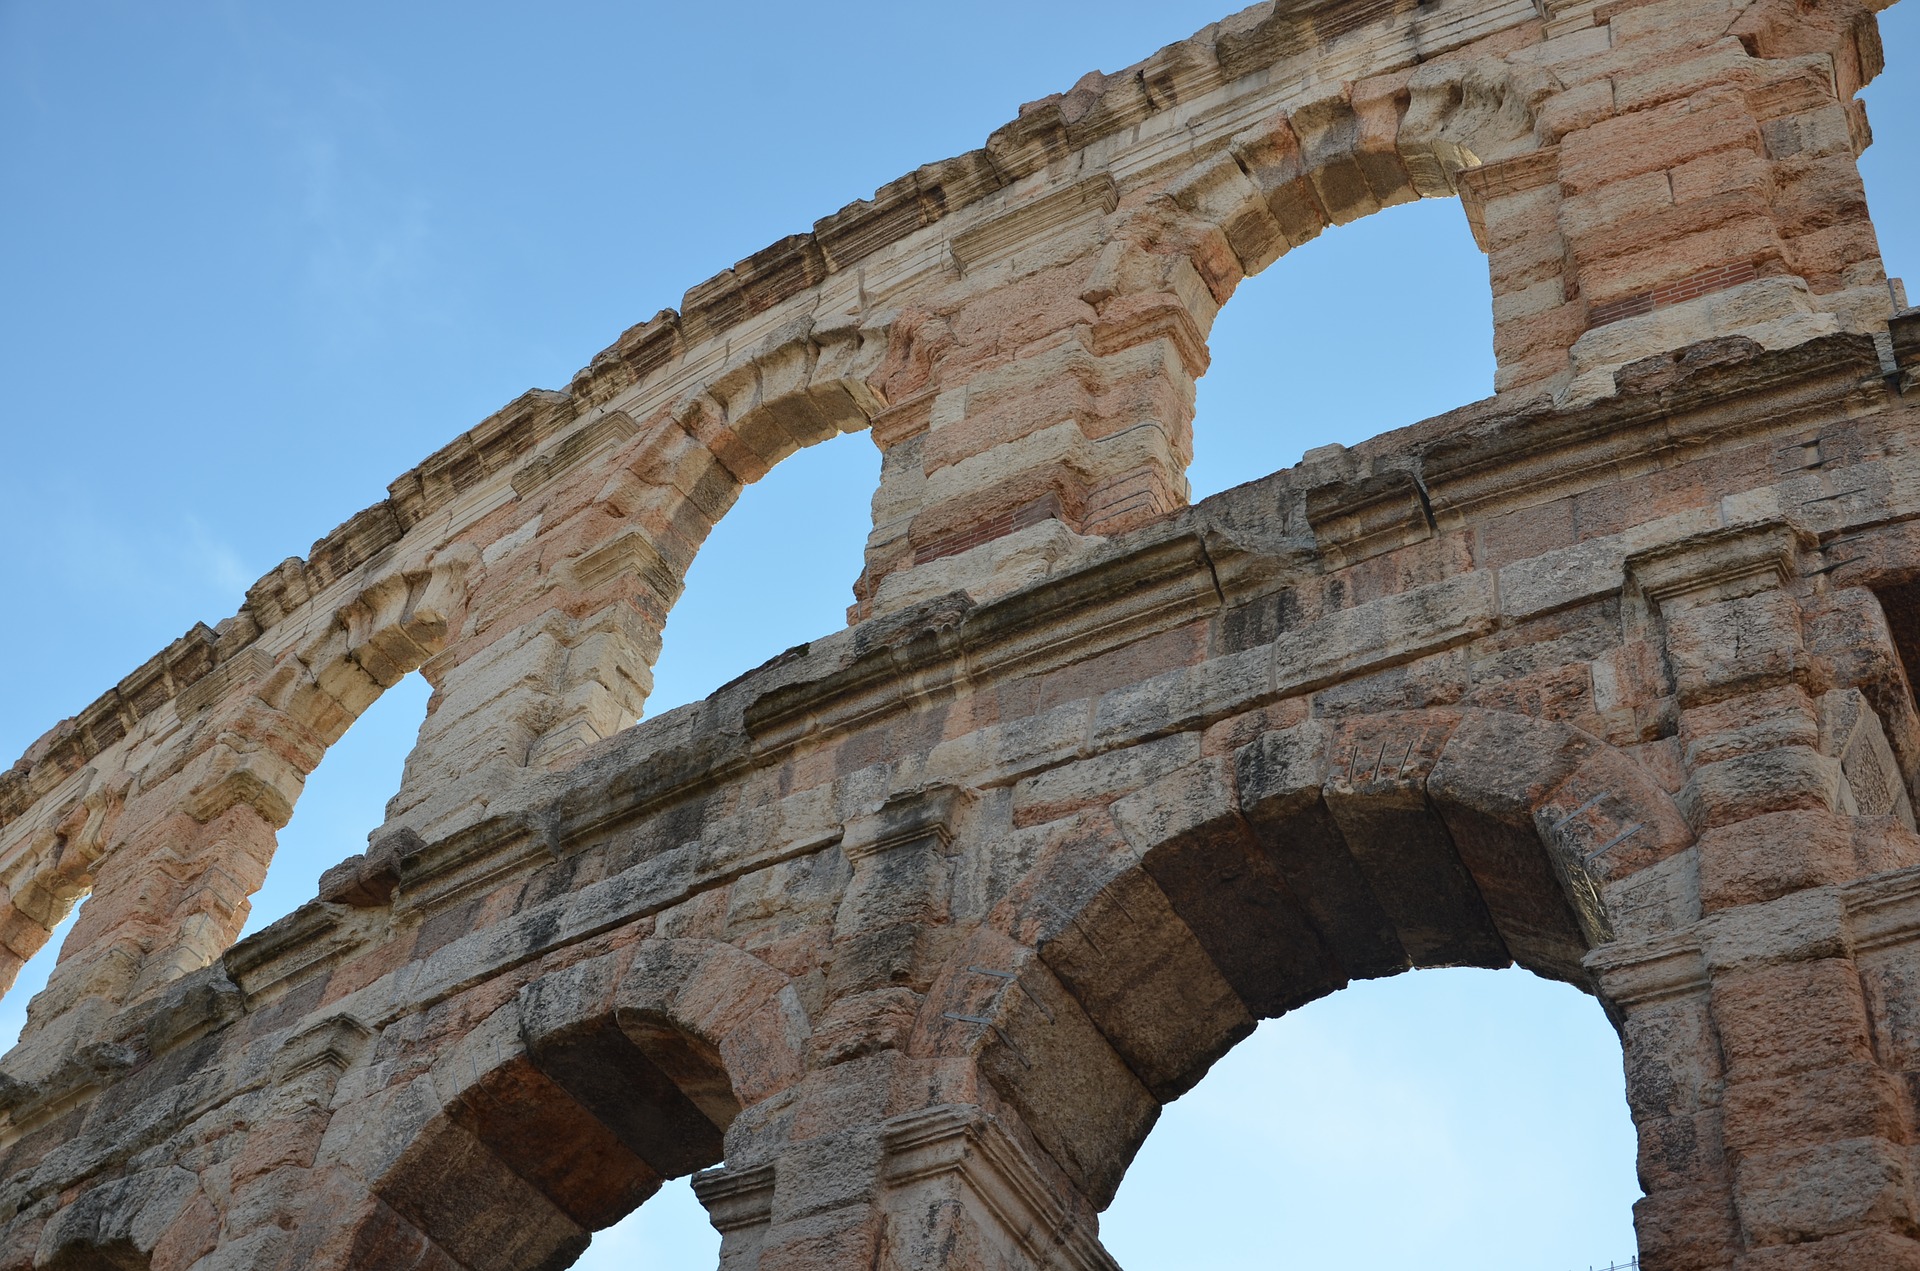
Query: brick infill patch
1707 281
1045 508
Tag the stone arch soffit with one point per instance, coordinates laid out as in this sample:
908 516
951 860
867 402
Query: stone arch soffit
1243 886
620 526
55 871
305 699
1349 153
570 1105
649 504
117 1225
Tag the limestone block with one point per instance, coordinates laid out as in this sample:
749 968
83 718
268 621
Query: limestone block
1797 928
1821 1107
1148 985
1805 1193
921 924
119 1219
1823 1023
1656 900
989 571
1737 645
1061 791
1777 780
1184 699
1073 1092
1776 313
1690 1227
1850 731
1468 113
1772 853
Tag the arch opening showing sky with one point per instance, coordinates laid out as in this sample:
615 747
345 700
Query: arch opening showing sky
265 259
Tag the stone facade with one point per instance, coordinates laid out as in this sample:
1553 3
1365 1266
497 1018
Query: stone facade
916 928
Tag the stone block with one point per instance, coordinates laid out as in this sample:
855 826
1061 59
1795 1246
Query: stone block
1877 1249
1860 1101
1792 1018
1774 854
1691 1229
921 923
1802 1193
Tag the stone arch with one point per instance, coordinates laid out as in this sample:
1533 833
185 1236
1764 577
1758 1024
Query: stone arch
1355 848
569 1106
117 1225
171 853
618 510
1448 128
1362 147
577 573
1008 462
44 883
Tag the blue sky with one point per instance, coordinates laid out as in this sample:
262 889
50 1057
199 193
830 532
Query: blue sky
262 259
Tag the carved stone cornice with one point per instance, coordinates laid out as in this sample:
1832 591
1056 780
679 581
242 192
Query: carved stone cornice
736 1199
952 1140
1723 565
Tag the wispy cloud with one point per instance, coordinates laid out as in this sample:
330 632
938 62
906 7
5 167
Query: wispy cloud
365 236
216 561
357 223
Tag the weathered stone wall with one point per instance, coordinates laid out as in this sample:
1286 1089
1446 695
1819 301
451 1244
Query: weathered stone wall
918 927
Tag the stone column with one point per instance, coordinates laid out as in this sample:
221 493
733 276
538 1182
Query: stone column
1048 404
1708 178
945 1186
1773 1133
896 1150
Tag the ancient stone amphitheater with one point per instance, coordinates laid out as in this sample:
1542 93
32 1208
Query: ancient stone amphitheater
917 927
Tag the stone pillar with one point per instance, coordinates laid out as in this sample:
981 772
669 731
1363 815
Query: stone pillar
170 892
1051 404
56 870
574 579
1708 178
895 1149
1773 1132
563 626
937 1187
171 852
1675 1085
1512 207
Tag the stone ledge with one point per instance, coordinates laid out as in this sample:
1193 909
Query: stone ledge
1100 107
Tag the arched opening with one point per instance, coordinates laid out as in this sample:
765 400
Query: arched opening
343 801
31 978
775 572
669 1230
1316 857
1890 167
1371 326
558 1143
567 1108
1368 327
1444 1119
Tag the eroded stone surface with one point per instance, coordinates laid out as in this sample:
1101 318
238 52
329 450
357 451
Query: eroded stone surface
904 938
